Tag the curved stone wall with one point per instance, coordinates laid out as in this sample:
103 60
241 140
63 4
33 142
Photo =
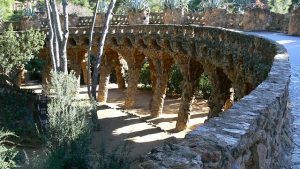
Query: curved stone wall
253 19
249 135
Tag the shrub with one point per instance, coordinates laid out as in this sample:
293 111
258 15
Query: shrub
69 130
174 84
145 78
35 67
204 86
7 155
16 108
18 49
116 160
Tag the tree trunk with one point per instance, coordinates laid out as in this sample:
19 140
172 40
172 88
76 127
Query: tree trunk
58 38
88 58
51 36
108 18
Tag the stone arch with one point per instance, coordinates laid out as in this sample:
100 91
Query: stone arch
72 42
160 68
111 60
127 42
191 71
221 86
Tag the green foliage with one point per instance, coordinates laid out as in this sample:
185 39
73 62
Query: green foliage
103 7
7 155
206 4
69 130
280 6
230 5
145 78
18 49
174 4
174 84
76 10
136 5
85 3
16 108
5 7
116 160
35 67
16 16
204 86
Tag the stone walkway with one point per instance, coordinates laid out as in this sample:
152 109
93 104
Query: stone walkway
292 44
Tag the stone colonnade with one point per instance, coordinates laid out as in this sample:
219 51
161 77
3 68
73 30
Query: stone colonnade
160 68
213 52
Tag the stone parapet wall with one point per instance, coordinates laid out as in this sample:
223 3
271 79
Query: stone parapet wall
254 19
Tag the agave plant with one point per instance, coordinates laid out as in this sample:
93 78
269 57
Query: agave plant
208 4
175 4
136 5
7 155
103 6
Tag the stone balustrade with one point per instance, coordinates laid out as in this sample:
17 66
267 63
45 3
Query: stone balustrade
254 19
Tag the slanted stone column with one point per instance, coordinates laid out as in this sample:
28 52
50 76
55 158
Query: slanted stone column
120 72
105 71
152 75
84 72
133 80
111 59
135 61
76 57
46 76
45 55
191 72
242 89
220 90
162 69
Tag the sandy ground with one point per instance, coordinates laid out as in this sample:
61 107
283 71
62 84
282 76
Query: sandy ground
133 131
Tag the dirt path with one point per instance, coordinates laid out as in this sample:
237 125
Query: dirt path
134 128
133 131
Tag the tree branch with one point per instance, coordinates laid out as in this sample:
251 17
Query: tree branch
88 58
105 27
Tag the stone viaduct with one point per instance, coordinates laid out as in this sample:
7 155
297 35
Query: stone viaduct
252 134
249 134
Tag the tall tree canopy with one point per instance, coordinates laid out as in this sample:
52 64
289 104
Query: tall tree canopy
6 8
280 6
17 49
